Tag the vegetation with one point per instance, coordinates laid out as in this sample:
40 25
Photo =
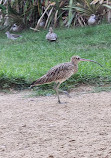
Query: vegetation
31 56
81 10
34 13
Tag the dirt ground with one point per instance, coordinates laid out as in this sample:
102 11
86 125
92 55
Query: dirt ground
38 127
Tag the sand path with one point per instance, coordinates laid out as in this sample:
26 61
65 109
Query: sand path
41 128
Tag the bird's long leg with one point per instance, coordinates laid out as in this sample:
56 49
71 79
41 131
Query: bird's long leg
56 89
64 92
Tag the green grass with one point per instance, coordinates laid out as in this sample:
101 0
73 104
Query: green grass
28 58
99 89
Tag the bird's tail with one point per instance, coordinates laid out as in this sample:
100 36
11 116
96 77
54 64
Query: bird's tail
39 81
32 84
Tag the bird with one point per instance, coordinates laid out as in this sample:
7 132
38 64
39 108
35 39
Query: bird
17 28
12 36
60 73
92 19
42 23
51 36
14 28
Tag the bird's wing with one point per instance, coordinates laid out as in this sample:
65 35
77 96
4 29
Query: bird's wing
57 73
15 36
51 36
55 35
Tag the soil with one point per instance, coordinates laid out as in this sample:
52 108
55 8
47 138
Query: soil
39 127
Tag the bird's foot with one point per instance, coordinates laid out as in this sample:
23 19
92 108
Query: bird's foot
59 102
65 92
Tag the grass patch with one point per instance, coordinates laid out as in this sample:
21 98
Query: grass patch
105 88
28 58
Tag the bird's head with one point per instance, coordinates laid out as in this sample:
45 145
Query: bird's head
76 59
14 26
7 32
93 16
50 29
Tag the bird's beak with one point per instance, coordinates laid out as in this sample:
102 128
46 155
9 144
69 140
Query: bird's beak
82 59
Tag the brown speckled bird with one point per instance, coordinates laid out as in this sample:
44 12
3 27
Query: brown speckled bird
60 73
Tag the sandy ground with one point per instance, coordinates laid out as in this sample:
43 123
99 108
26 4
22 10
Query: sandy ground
41 128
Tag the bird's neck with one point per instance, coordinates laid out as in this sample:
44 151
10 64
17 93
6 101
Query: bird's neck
75 67
8 35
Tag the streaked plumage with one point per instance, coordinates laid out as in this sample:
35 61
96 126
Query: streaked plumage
51 36
12 36
60 73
